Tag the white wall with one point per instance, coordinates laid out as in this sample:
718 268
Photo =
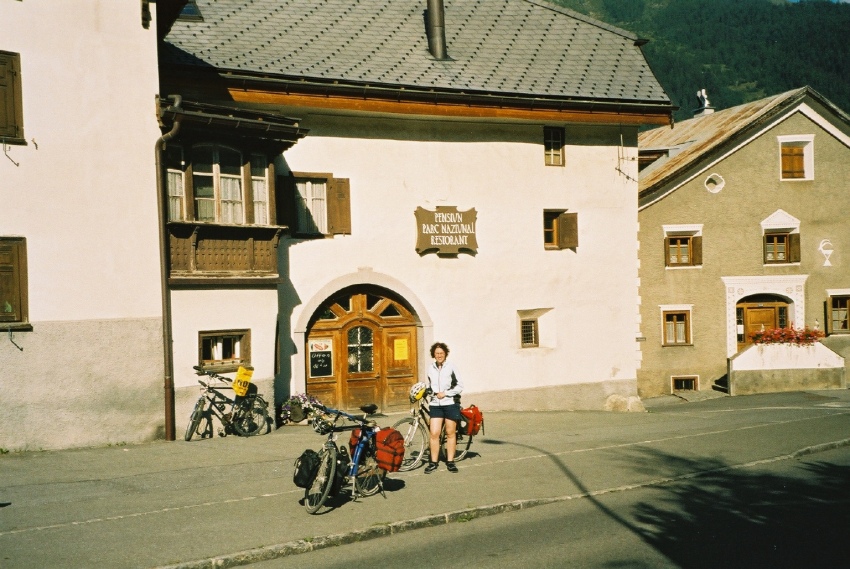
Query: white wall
84 196
396 166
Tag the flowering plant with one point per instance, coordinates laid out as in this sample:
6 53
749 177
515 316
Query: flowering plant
795 336
306 403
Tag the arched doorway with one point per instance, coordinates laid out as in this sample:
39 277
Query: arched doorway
361 348
759 312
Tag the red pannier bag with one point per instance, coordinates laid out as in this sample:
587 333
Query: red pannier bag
389 447
474 419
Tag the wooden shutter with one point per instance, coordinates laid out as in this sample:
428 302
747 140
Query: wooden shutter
793 165
696 250
339 206
11 108
827 315
794 248
666 251
285 188
12 280
568 230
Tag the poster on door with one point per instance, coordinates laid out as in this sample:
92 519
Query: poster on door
321 358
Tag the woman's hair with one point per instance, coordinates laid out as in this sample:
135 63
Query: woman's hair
439 345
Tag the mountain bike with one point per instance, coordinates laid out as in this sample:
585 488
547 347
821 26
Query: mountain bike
416 431
244 415
360 474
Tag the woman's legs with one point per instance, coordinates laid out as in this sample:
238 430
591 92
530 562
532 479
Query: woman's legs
451 439
437 426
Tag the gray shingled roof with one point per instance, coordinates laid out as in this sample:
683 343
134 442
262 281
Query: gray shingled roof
513 47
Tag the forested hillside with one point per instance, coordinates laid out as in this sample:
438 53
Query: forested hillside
738 50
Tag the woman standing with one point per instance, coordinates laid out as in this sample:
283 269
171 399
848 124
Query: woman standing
445 385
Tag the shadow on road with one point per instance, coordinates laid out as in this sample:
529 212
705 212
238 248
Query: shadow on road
729 517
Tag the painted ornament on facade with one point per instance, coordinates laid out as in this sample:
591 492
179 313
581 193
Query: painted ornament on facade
825 248
446 231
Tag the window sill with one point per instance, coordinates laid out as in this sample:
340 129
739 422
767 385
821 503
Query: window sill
16 326
789 264
676 345
680 267
15 141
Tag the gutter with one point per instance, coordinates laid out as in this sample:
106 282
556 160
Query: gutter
167 333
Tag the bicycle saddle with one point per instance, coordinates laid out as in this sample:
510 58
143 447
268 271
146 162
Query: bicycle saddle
369 409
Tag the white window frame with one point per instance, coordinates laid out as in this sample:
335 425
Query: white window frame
682 230
807 143
227 211
260 190
689 308
780 221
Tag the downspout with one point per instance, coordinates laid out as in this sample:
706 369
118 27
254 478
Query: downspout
167 338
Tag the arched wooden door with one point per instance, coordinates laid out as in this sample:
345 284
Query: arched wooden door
757 313
361 348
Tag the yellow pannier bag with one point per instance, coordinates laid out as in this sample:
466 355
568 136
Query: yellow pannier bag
242 380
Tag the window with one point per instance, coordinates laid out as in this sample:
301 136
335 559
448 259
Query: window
224 350
676 323
560 229
682 245
685 383
317 204
217 184
838 311
13 283
796 157
781 238
360 350
11 103
191 12
781 248
553 145
529 334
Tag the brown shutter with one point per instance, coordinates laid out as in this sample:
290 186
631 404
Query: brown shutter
272 192
568 230
11 277
247 183
827 315
666 251
696 250
11 108
339 206
285 188
794 248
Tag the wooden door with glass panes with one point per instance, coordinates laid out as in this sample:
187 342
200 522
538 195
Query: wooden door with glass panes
759 316
361 348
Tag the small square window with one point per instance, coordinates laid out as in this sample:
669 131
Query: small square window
781 247
530 336
796 157
553 145
224 350
682 245
560 229
677 328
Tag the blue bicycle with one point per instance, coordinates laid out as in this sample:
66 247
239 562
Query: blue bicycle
359 474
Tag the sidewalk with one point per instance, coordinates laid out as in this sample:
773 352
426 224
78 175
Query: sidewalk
226 501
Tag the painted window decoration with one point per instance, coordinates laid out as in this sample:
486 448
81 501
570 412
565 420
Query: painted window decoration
796 157
553 144
360 350
224 350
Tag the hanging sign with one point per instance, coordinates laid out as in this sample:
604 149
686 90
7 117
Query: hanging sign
321 358
446 230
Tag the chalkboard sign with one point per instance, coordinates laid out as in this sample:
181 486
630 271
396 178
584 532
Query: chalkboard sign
321 358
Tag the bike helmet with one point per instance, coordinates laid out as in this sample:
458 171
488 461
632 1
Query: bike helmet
417 391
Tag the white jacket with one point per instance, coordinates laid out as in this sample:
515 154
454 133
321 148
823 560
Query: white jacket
441 381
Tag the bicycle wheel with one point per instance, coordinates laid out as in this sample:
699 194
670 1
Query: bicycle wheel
195 419
464 442
250 417
369 477
415 443
317 493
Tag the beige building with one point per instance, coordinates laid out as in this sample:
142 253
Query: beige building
741 231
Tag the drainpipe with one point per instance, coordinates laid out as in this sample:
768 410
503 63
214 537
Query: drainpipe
436 29
167 339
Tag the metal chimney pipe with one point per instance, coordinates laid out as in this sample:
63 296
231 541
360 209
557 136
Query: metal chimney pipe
436 29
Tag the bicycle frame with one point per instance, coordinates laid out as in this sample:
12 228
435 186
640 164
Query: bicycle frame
247 416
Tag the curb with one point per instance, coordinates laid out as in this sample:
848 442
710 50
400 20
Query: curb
300 546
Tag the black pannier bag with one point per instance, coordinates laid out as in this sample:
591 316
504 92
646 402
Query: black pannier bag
306 468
